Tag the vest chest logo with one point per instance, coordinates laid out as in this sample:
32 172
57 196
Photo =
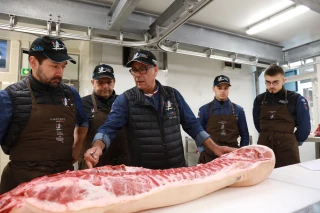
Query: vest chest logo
272 114
66 102
171 112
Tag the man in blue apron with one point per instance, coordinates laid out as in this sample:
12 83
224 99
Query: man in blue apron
152 114
42 121
276 113
98 106
224 120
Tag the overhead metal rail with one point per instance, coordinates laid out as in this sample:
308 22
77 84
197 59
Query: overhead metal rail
140 29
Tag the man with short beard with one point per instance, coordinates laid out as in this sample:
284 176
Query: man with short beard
98 106
42 121
281 117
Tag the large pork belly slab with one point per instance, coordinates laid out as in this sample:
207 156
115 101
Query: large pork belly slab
119 189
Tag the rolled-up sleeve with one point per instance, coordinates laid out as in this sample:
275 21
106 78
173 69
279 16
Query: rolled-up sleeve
5 113
81 119
189 122
117 118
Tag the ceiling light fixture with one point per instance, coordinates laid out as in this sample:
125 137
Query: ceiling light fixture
278 18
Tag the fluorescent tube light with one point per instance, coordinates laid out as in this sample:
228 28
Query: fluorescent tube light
281 17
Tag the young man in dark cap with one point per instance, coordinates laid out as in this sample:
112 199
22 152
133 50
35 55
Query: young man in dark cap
281 117
98 106
223 120
153 114
42 121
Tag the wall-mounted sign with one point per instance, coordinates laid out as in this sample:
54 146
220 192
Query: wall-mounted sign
25 71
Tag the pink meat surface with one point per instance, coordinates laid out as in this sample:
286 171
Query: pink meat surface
130 189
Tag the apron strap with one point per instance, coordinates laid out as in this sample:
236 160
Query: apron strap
211 108
264 99
94 103
232 107
286 95
34 102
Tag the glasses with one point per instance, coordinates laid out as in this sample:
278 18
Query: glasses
141 70
274 83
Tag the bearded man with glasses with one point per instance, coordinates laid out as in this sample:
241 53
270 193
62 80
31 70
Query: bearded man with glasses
152 114
276 114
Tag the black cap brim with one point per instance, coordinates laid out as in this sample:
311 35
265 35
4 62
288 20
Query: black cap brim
129 64
102 76
223 83
59 57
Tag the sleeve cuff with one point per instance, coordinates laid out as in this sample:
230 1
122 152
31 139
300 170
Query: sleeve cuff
201 137
102 137
200 149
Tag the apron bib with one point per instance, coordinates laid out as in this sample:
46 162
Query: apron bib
223 130
43 147
277 132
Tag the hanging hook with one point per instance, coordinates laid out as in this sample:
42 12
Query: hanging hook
12 17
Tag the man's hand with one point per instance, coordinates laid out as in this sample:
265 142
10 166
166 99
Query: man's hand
218 150
93 154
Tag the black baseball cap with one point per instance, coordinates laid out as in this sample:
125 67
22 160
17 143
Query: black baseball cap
101 71
53 48
221 79
143 56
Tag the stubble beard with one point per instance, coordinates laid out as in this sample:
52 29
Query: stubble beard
45 80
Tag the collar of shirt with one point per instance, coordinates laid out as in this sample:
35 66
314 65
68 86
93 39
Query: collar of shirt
217 104
38 86
106 100
149 95
281 92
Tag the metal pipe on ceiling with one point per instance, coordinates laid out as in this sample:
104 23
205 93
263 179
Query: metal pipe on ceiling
186 16
205 55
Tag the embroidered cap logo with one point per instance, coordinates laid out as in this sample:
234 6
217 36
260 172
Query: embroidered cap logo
57 46
103 70
222 79
140 55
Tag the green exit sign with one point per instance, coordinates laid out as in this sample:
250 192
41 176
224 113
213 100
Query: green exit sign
25 71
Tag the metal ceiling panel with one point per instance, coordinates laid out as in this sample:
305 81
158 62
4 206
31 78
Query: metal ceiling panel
303 52
119 12
312 4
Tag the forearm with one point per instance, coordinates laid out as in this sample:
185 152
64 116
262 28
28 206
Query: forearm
79 136
209 143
